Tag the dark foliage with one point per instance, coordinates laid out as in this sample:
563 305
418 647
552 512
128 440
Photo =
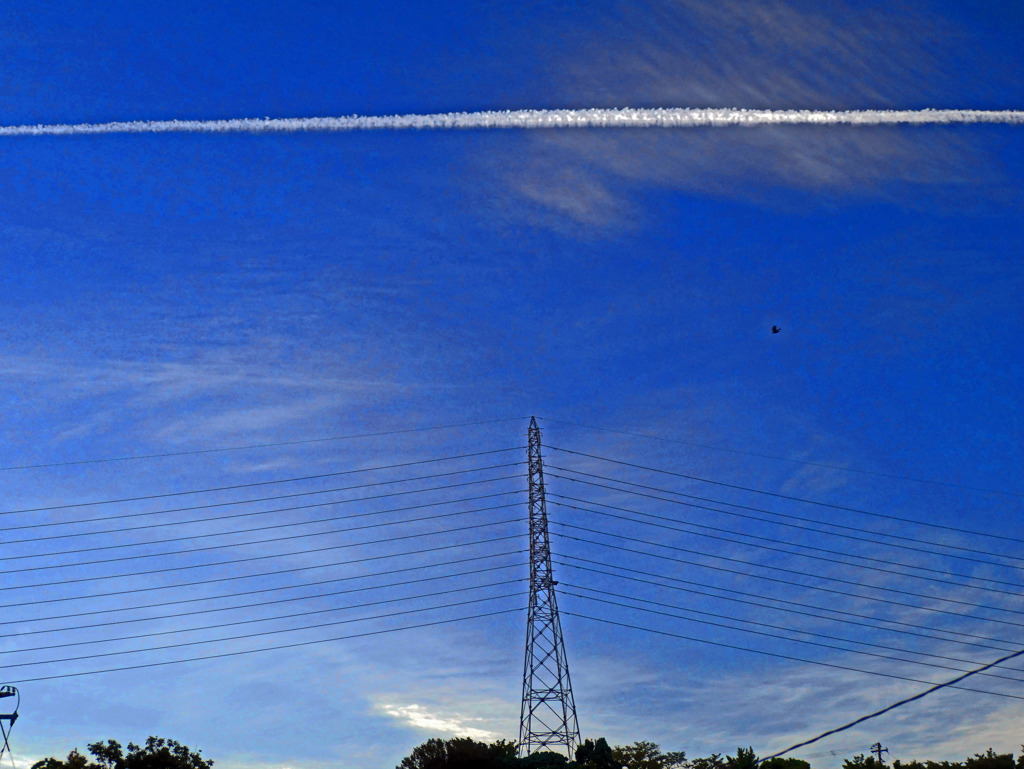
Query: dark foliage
714 761
928 764
785 763
158 753
596 755
462 753
745 758
990 760
860 761
544 760
646 755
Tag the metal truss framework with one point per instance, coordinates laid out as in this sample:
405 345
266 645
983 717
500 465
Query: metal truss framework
7 691
547 720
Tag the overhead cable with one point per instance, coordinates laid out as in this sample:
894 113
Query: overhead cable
792 658
794 499
260 604
920 695
257 445
808 463
262 557
794 543
261 634
839 751
784 609
254 484
796 572
777 627
179 631
259 541
791 517
817 588
255 575
307 522
298 644
937 580
234 502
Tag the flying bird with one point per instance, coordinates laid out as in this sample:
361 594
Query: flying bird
776 329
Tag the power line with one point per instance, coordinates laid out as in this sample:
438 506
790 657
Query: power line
260 557
792 603
178 631
783 638
794 571
790 517
253 484
183 644
109 623
268 527
257 591
901 703
838 751
787 459
794 499
789 657
223 655
235 577
789 542
783 628
247 502
260 541
879 569
257 445
818 588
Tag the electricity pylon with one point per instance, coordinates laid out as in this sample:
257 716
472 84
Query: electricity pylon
5 746
547 720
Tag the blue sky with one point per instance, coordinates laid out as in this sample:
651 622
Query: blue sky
179 292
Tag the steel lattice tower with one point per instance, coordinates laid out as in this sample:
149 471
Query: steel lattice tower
548 716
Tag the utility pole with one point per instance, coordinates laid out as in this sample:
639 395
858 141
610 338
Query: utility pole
547 720
878 750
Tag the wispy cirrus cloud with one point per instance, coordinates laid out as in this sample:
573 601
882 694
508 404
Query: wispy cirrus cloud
780 54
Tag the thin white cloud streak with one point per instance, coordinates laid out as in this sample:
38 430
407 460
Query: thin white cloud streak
557 118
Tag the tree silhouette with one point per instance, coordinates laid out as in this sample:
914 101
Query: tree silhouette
990 760
859 761
463 753
460 753
714 761
897 764
158 753
646 755
745 758
787 763
596 755
544 760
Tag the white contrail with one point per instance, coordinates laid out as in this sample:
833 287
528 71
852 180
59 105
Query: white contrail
537 118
